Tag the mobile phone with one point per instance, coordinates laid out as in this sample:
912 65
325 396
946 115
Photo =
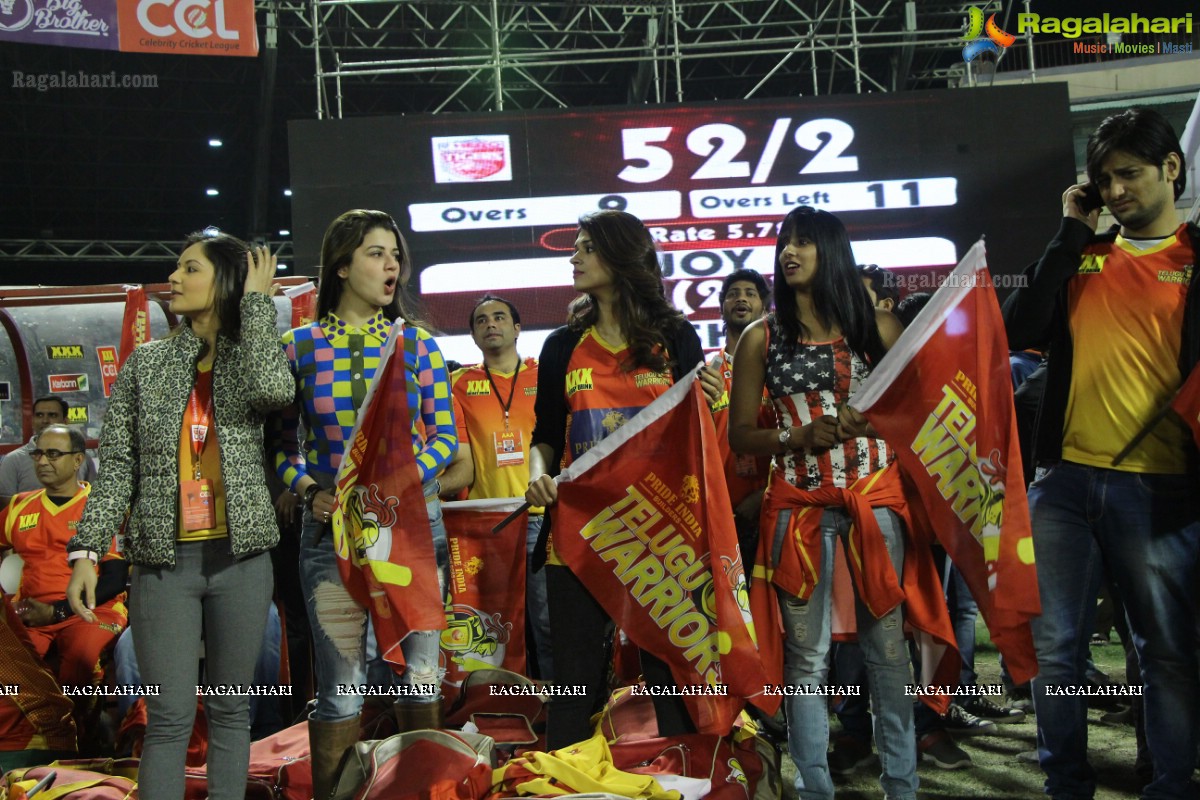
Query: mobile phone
1090 200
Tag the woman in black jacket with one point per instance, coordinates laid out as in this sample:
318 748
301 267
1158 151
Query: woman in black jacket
621 349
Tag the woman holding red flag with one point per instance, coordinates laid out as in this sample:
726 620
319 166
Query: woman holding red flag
360 304
832 479
633 345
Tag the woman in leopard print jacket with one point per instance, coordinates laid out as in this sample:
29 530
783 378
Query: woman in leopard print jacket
182 450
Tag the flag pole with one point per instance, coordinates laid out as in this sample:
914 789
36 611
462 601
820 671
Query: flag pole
1158 417
622 435
499 526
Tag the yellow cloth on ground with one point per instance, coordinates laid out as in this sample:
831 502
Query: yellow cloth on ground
581 768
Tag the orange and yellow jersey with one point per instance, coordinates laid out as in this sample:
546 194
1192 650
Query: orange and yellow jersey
601 396
499 448
38 530
743 474
210 460
1126 365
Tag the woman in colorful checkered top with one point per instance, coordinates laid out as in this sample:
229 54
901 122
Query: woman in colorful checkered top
360 304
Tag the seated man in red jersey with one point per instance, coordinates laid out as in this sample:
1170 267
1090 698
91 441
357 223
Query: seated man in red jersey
36 526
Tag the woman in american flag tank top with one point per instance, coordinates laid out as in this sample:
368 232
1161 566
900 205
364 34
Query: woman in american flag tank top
832 479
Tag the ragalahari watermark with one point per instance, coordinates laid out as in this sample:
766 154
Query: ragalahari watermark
45 81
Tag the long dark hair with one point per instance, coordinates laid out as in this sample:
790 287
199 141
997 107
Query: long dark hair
345 235
640 304
838 293
228 256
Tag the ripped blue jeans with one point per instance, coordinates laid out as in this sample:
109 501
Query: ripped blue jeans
341 632
807 630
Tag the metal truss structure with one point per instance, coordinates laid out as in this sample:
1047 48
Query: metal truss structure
126 164
372 56
104 250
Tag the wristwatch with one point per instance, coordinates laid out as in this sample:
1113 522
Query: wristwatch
785 438
310 494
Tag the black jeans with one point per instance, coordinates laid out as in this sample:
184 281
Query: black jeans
581 637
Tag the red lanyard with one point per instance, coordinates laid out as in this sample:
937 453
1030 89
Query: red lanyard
512 390
200 419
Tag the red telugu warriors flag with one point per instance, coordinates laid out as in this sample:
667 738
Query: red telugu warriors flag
644 521
135 325
485 623
943 400
380 529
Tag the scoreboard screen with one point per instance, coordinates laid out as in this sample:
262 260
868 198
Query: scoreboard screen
490 202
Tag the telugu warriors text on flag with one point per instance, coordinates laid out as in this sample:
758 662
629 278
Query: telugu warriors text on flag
644 520
943 400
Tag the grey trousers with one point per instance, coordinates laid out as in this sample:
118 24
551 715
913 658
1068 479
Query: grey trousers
167 608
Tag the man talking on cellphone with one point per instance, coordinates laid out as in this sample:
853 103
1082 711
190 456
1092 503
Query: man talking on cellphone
1120 315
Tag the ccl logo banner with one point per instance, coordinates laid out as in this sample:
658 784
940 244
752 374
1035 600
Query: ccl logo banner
188 27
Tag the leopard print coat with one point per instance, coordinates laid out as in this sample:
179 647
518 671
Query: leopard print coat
139 444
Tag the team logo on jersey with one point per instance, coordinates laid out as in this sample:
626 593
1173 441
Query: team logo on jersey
1092 264
579 380
652 379
613 420
478 388
722 402
28 521
1175 275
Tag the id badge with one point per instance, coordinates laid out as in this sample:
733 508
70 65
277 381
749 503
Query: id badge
508 448
196 504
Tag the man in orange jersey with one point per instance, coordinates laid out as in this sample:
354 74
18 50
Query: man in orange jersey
496 400
36 526
1119 312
